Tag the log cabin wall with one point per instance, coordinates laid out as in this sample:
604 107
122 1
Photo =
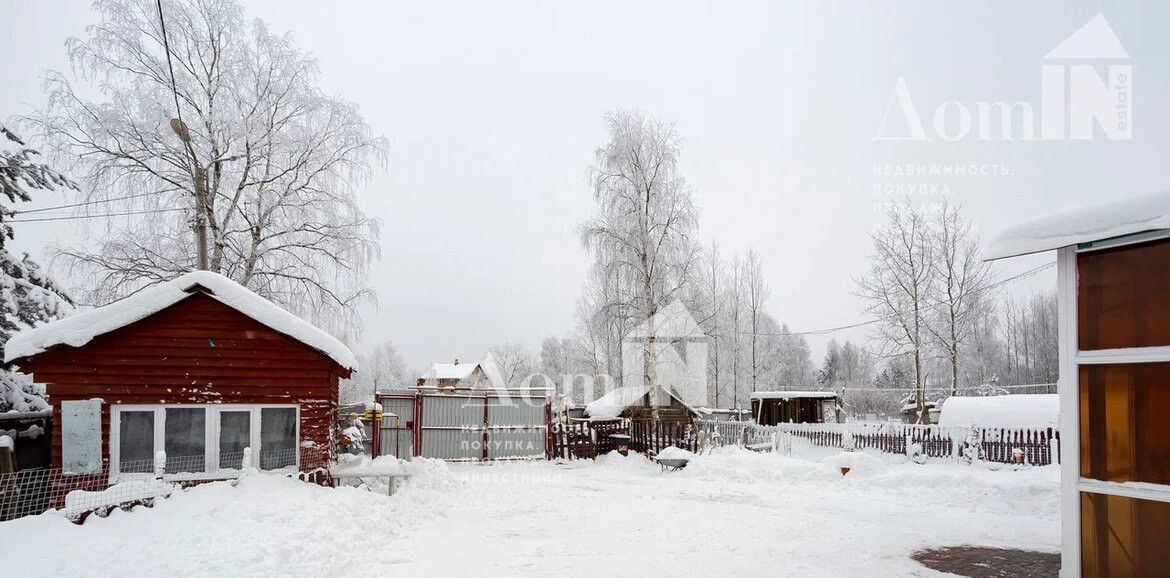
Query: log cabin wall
195 351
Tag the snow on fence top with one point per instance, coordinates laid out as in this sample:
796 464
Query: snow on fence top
1083 224
78 329
1005 411
791 394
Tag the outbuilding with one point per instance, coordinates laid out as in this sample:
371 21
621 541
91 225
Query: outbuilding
198 367
777 407
1113 276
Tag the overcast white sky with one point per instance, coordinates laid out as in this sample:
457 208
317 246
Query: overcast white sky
493 111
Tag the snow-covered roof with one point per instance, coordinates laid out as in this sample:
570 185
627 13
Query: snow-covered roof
1031 410
612 404
1083 224
450 370
791 394
78 329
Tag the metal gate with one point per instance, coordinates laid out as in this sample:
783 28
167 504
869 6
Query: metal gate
464 425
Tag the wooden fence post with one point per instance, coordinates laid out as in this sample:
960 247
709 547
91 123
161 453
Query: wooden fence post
1053 446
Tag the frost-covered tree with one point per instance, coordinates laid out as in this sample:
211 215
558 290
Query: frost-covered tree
960 292
561 362
756 292
242 147
381 369
716 293
1028 340
28 297
898 286
736 317
511 365
642 235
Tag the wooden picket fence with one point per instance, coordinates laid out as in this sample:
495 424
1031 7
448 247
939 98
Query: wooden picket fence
586 440
652 437
1038 446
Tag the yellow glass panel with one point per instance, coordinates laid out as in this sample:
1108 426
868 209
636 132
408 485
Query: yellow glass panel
1123 296
1125 422
1123 537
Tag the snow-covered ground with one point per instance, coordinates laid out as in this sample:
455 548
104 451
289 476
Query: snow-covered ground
729 512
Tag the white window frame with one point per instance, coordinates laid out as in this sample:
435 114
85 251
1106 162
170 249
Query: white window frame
211 437
1071 358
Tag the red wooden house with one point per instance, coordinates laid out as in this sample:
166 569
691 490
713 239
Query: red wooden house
200 368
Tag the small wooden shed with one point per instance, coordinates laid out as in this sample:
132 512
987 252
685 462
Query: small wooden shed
200 368
776 407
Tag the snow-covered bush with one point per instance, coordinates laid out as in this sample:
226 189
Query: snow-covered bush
848 443
353 438
916 454
973 446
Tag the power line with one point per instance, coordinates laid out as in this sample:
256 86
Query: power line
77 217
995 285
170 67
947 387
82 204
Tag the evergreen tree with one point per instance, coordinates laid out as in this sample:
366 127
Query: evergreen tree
28 297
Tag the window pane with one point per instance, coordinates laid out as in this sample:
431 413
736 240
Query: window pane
1123 296
235 433
1125 432
278 437
185 439
1123 537
136 441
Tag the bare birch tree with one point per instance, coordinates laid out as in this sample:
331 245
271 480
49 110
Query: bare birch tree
514 366
897 287
735 288
757 292
961 291
264 164
716 296
644 228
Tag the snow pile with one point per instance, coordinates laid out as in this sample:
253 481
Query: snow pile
1032 492
81 501
270 525
78 329
859 464
674 453
6 443
733 464
1003 411
730 512
1084 224
364 466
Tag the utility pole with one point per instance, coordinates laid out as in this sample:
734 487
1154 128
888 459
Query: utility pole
201 195
201 217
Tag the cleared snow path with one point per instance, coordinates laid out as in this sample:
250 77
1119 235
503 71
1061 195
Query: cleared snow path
732 512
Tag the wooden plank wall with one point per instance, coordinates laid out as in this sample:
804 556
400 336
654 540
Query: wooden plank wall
196 351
